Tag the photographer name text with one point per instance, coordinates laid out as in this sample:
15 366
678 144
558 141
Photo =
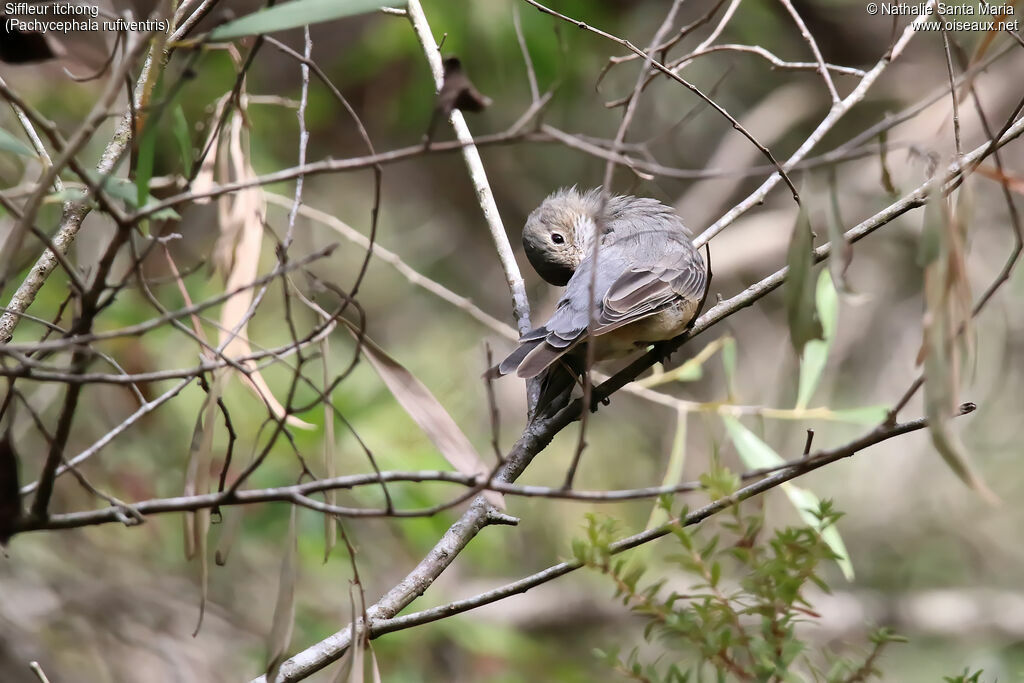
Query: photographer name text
989 17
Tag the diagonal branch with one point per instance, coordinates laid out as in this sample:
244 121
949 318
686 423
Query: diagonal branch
837 111
538 434
792 471
516 285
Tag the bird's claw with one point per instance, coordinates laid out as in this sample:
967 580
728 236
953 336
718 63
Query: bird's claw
594 403
664 351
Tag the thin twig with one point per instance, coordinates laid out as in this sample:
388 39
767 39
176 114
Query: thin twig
837 111
809 39
679 79
77 140
516 285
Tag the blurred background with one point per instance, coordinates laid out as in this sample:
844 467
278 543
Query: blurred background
931 558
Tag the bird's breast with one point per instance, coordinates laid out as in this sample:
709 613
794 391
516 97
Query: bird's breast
667 323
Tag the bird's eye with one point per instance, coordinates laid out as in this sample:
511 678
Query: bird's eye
557 238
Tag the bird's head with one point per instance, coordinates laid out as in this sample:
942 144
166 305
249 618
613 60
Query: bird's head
558 233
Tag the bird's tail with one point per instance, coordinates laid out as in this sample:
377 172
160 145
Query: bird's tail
557 378
557 382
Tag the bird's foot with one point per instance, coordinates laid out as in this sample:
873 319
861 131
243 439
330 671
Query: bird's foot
664 351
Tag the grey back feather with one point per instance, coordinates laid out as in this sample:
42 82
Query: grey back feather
645 263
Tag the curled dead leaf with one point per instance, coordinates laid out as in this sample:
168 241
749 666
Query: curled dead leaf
427 412
237 254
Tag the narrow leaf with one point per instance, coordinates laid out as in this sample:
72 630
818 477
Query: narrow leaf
346 667
883 148
947 314
427 412
198 468
841 253
867 415
729 365
374 672
237 252
183 138
756 454
358 672
9 143
284 609
229 529
330 463
674 470
799 288
815 354
806 504
293 15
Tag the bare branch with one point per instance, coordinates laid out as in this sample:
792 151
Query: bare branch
516 285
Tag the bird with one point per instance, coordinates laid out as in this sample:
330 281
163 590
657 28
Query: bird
648 282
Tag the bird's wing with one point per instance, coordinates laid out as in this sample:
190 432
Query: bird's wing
568 323
644 290
633 289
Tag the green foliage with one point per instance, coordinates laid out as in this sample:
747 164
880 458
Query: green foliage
737 617
815 351
965 677
756 454
9 143
799 290
118 188
293 15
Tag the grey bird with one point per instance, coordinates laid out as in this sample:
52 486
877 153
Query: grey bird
650 280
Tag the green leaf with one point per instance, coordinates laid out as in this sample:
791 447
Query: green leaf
841 251
729 365
674 471
691 370
815 354
181 134
867 415
293 15
144 163
799 291
756 454
146 158
118 188
806 503
10 143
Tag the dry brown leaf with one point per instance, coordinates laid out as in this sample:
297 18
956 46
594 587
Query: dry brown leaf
237 253
375 670
947 312
284 609
197 524
983 45
1014 183
358 672
203 181
348 662
427 412
230 527
330 464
